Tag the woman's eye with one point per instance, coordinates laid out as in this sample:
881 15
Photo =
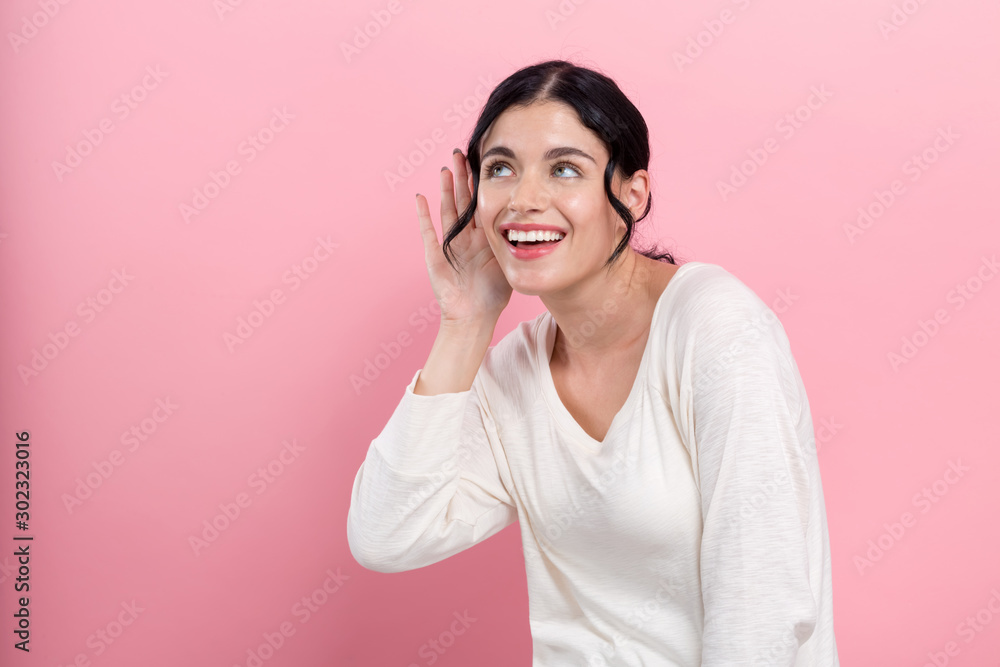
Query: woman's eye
567 166
494 167
491 170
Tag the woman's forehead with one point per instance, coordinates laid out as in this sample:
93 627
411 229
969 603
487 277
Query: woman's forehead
538 128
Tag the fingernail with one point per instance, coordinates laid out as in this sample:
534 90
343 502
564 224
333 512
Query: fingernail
457 150
444 168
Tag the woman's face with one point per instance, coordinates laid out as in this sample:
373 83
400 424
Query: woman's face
542 169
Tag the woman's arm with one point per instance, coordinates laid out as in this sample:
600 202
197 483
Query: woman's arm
429 486
751 467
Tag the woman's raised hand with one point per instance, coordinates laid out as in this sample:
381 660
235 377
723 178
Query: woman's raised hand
479 291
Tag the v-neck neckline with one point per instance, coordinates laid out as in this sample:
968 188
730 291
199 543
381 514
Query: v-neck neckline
545 337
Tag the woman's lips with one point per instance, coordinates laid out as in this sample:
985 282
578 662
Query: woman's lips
525 250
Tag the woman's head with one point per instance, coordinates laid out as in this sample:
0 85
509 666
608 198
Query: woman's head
594 196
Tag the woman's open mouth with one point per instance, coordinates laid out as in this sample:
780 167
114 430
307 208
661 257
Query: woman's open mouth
529 245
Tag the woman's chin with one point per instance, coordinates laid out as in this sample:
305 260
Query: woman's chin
533 278
528 285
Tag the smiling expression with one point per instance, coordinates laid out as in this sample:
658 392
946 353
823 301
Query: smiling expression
542 169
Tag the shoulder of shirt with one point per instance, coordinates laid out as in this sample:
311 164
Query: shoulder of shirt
708 298
712 317
716 319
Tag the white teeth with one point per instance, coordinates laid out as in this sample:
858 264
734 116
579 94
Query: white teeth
533 235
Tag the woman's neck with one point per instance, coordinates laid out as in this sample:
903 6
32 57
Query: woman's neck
611 318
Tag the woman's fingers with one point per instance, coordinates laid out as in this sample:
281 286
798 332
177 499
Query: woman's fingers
432 248
462 193
448 212
455 198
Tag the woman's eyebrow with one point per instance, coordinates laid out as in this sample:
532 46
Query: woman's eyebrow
550 154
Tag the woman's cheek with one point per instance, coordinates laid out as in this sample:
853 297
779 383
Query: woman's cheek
496 243
577 208
486 208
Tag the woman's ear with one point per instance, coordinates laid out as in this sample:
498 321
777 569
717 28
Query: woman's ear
635 191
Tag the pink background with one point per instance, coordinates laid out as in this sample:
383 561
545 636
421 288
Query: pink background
319 176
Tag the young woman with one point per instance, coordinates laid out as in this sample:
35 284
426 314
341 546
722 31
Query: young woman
649 431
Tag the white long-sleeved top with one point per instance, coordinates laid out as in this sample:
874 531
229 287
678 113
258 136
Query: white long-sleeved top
694 535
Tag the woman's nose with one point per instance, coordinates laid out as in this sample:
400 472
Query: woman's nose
529 194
